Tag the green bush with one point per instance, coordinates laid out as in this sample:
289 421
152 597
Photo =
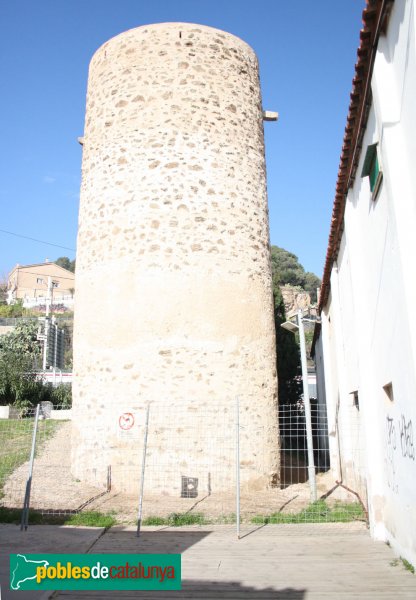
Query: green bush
62 395
14 311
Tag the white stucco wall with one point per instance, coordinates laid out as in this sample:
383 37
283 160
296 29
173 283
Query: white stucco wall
373 298
324 457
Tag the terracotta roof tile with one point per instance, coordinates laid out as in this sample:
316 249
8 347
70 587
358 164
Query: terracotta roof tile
374 19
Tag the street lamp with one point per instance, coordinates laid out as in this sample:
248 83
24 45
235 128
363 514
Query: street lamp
292 327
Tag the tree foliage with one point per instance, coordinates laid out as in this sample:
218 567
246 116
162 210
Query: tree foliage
3 292
14 310
312 283
19 357
61 395
288 269
22 340
66 263
287 350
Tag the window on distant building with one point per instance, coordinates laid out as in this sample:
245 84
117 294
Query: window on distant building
39 280
372 170
55 284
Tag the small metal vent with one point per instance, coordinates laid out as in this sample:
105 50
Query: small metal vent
189 487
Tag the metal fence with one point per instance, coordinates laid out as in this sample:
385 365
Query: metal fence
13 321
25 437
336 494
190 464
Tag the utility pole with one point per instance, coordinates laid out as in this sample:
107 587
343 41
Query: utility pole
49 297
291 326
46 328
306 399
50 335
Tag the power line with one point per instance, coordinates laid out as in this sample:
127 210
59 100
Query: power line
35 240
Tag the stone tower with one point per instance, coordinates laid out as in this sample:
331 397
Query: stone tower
174 297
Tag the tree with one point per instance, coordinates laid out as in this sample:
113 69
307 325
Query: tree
19 354
288 269
23 340
66 263
287 351
312 283
3 292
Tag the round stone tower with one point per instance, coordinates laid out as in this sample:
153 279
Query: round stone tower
173 281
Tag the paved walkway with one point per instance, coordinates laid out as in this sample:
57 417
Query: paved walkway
38 539
279 562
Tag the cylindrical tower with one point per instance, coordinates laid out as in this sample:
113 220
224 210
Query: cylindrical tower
173 281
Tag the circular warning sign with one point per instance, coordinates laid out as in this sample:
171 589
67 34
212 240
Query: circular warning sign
126 421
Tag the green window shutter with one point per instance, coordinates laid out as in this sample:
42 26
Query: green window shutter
374 171
371 169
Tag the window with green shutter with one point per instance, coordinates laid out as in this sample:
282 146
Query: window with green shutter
371 169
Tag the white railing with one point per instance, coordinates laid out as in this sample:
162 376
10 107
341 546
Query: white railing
55 377
67 301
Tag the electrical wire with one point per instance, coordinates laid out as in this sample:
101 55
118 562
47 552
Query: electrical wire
36 240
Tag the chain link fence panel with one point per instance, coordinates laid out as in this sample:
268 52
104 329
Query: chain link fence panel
191 474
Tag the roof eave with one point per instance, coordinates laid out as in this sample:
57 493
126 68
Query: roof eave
374 17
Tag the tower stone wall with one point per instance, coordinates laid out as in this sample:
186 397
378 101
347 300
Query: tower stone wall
174 297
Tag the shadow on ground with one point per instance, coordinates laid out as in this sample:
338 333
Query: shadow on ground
199 590
213 579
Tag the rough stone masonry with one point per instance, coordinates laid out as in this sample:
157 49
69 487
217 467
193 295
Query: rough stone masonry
174 298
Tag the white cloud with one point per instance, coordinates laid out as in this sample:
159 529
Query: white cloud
49 179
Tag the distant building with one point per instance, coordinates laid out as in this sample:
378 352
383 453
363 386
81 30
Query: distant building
365 347
29 283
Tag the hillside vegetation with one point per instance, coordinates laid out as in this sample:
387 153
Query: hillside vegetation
287 269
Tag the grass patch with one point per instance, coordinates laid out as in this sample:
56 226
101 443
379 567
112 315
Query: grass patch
16 442
407 565
317 512
91 519
155 521
225 519
86 519
177 520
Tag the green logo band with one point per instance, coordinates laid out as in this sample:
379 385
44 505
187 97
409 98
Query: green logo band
95 571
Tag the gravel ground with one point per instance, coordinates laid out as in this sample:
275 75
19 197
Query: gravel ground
53 487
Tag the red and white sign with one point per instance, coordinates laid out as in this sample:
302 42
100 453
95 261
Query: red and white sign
126 421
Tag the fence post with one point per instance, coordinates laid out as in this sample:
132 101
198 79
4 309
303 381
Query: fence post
146 429
24 523
237 465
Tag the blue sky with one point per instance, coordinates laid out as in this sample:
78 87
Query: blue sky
306 50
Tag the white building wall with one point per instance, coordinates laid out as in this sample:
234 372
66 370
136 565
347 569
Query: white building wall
341 380
370 339
324 456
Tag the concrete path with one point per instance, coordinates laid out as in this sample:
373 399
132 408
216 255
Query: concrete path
279 562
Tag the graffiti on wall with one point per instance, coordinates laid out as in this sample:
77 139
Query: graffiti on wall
406 438
390 454
399 444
